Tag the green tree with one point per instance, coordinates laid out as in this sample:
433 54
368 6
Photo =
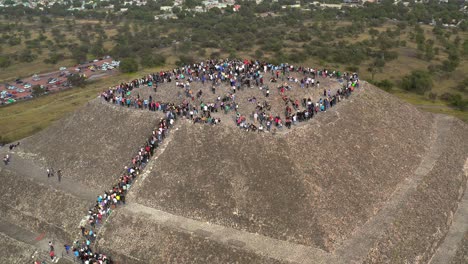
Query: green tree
185 60
387 85
45 19
418 81
465 48
463 86
54 58
26 56
97 49
128 65
429 50
77 80
457 102
153 60
4 61
375 67
36 90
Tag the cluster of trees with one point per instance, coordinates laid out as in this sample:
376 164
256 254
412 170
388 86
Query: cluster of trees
290 35
418 81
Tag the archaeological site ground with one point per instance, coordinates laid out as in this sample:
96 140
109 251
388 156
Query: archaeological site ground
371 180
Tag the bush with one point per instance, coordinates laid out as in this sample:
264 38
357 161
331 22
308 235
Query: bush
36 91
445 96
153 60
202 52
455 100
26 56
54 58
185 60
387 85
215 55
418 81
352 68
4 61
77 80
463 86
128 65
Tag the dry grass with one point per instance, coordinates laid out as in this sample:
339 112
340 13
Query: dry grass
26 69
26 118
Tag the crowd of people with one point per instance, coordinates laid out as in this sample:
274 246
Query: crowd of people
238 74
263 121
115 196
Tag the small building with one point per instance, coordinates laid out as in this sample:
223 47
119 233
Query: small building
291 6
198 9
166 8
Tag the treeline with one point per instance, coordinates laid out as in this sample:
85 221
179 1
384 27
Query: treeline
432 10
327 35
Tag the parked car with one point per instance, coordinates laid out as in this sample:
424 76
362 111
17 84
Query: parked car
11 87
62 68
36 78
27 85
52 80
18 81
20 90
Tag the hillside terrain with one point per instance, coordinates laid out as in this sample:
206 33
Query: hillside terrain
370 180
308 186
93 144
384 42
388 158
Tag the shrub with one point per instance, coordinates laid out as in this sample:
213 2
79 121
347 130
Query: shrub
185 60
455 100
418 81
77 80
458 102
387 85
153 60
128 65
352 68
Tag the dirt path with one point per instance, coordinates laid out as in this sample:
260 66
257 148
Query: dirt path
454 237
24 167
39 241
355 249
262 245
